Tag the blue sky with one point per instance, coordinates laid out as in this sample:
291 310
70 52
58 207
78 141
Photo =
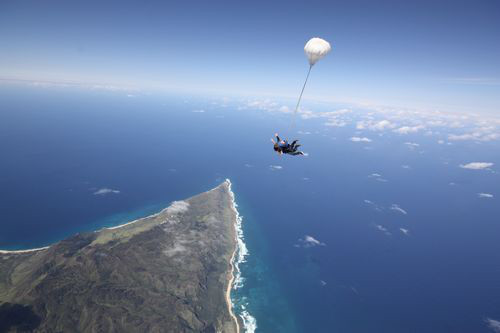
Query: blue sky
427 54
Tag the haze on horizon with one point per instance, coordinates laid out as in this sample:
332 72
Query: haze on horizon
435 55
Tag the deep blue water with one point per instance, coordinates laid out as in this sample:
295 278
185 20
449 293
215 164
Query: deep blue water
60 145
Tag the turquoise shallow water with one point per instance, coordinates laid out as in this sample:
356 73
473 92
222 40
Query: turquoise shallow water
61 145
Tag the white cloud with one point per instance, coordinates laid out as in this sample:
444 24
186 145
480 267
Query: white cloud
198 111
485 195
378 177
284 109
409 129
336 123
404 231
493 324
441 142
358 139
461 137
412 144
404 166
104 191
398 209
304 132
309 241
275 167
383 229
373 204
375 125
264 105
177 207
476 165
475 136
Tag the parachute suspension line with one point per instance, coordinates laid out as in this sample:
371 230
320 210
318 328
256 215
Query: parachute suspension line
292 125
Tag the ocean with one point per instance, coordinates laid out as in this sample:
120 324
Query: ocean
384 233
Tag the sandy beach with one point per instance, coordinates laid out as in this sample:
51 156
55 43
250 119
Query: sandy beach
23 251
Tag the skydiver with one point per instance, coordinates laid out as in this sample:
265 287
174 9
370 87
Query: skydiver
283 147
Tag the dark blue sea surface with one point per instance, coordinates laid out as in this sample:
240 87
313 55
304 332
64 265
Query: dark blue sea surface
61 145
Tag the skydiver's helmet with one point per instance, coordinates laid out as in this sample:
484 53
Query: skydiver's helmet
276 147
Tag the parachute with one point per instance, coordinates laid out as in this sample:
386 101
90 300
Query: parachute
315 49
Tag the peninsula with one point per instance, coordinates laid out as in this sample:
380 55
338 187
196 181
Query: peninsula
169 272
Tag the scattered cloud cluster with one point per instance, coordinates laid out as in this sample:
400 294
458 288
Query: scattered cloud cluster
484 133
275 167
485 195
405 232
476 165
383 229
373 205
309 241
378 177
409 129
493 324
398 209
104 191
374 125
359 139
403 121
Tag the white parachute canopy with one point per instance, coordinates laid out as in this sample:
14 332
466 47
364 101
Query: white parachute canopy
316 48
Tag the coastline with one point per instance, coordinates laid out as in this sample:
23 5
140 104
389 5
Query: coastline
234 275
231 262
238 257
97 230
228 292
24 251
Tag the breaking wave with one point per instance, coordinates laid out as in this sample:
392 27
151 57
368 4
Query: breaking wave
249 322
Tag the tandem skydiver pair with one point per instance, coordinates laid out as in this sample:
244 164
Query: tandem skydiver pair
315 49
283 147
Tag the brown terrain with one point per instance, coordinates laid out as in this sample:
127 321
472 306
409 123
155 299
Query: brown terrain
168 272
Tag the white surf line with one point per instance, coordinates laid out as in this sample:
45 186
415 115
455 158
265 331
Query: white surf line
228 293
239 255
137 220
231 279
24 251
131 222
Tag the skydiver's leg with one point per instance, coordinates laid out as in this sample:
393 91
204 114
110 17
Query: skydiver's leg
296 153
296 147
293 144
